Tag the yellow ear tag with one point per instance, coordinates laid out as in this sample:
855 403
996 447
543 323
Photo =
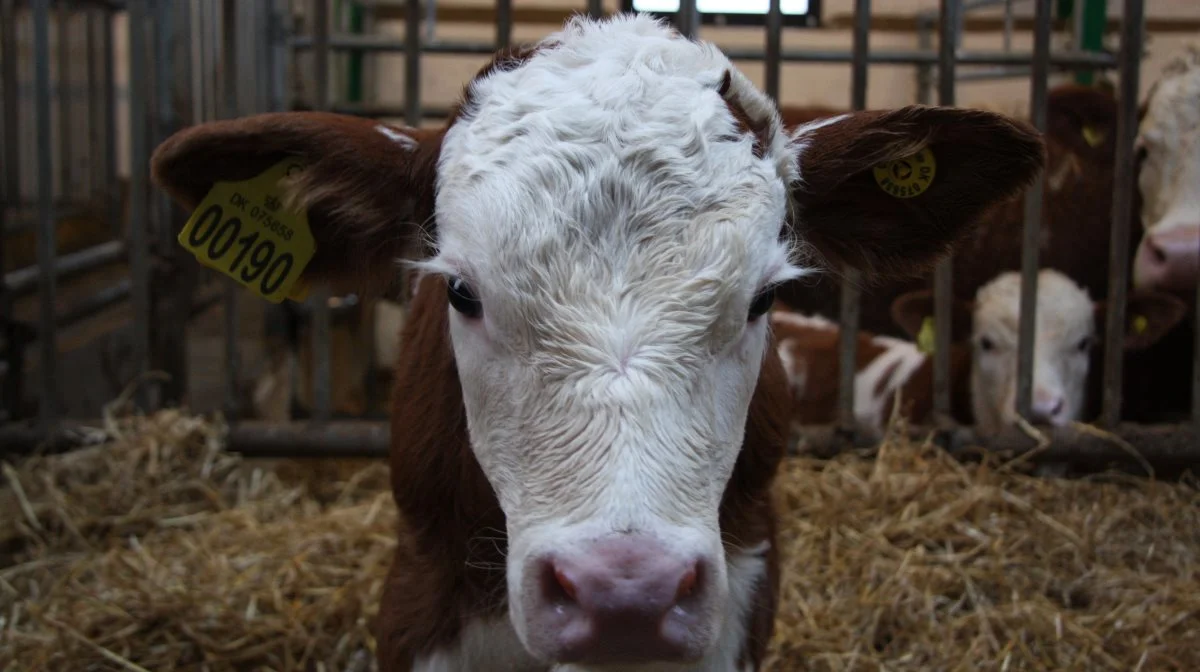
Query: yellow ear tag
1093 136
241 229
1140 324
907 177
926 340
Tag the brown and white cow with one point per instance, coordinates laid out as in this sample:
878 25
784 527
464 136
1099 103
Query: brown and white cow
588 410
1075 238
1168 147
983 359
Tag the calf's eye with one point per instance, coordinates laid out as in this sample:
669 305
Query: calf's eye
761 303
986 344
463 298
1085 344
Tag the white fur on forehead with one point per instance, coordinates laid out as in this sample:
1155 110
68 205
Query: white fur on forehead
1063 307
607 171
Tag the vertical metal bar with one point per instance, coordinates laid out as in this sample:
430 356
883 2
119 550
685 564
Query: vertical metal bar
163 36
230 111
430 20
112 184
504 20
139 155
595 8
851 299
924 70
65 144
1129 65
1008 25
1033 214
774 47
688 18
10 395
322 371
1196 363
47 338
412 63
95 176
943 278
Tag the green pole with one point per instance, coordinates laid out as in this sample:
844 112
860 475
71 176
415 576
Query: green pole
1095 21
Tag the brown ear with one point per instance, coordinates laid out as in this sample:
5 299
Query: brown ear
982 159
911 309
1149 316
1084 120
368 190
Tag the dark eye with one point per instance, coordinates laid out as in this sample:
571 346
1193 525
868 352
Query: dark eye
761 303
463 298
986 344
1085 344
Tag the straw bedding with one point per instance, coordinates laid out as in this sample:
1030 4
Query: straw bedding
158 551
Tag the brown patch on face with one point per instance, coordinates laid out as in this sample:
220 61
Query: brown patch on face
759 130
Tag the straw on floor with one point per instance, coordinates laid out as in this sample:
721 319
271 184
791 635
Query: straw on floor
159 551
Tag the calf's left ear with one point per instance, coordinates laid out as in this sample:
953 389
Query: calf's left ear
1149 315
367 188
911 311
890 193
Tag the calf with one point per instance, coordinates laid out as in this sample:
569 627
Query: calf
983 358
588 412
1168 147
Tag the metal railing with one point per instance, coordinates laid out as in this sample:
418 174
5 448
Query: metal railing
210 29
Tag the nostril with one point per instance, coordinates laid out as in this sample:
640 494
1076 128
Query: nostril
565 585
1157 253
1057 409
687 585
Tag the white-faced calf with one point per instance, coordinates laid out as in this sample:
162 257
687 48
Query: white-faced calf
588 412
983 358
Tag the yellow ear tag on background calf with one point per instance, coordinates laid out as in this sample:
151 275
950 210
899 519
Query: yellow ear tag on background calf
1140 324
1093 136
241 229
926 340
907 177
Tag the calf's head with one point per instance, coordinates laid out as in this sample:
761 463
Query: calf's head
1168 146
1065 333
611 209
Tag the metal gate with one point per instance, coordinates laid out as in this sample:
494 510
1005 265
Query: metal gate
204 59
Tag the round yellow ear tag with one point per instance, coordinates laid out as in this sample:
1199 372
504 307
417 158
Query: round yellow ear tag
907 177
927 338
1140 324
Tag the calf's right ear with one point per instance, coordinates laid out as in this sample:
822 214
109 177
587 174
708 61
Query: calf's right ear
367 188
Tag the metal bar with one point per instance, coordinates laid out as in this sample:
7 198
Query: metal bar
774 47
1033 216
10 394
1065 58
924 70
112 184
687 19
412 63
380 111
95 180
322 366
595 8
65 144
139 154
1122 208
430 20
504 21
230 111
25 280
943 277
851 293
46 242
1196 363
1166 445
1008 24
